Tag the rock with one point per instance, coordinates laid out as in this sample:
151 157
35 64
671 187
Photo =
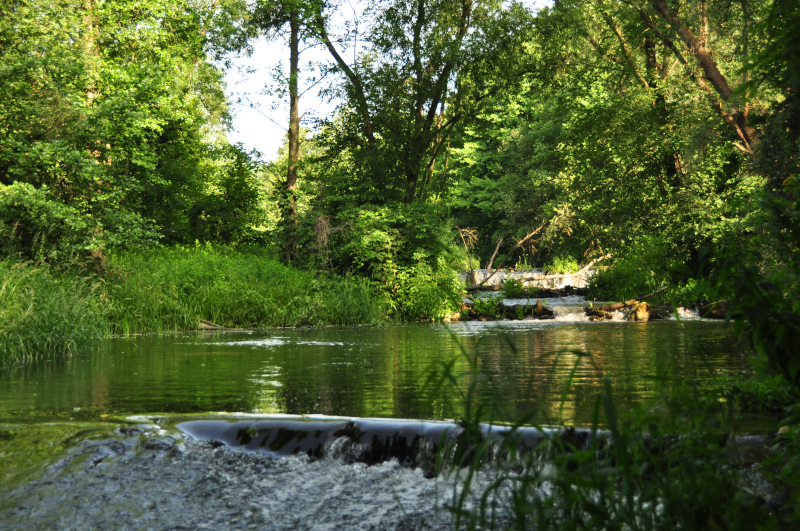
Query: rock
640 312
540 311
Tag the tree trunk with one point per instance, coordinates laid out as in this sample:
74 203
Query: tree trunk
354 78
697 49
290 209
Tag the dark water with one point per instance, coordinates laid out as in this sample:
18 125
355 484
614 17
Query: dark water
523 368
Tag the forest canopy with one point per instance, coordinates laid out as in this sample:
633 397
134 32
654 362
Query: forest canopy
659 134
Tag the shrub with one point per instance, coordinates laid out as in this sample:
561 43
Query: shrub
514 289
646 266
32 225
488 307
427 293
562 264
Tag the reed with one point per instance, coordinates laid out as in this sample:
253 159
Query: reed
46 312
668 467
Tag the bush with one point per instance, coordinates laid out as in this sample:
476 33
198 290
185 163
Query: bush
427 293
646 266
562 264
32 225
46 313
378 241
489 307
514 289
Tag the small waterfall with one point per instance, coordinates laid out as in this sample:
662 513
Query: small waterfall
686 314
413 443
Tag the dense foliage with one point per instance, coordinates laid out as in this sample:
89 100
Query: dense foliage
662 134
114 109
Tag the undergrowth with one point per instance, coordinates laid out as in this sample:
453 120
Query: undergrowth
174 289
49 311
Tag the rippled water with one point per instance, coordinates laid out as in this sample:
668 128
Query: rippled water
523 369
68 459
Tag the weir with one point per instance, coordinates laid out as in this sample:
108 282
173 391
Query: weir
537 278
414 443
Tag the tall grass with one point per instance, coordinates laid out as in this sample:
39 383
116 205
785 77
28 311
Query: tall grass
48 311
670 467
176 288
45 312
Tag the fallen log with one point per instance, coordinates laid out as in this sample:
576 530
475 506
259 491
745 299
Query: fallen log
565 275
632 302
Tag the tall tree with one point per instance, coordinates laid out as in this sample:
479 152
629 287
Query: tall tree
110 107
271 17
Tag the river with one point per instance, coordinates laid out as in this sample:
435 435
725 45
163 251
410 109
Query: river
118 405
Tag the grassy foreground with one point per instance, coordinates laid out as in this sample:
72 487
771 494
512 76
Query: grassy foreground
47 311
675 464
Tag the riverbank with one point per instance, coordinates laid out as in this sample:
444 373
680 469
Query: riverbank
49 311
52 310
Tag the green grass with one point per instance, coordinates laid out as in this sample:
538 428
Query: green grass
175 288
53 312
46 312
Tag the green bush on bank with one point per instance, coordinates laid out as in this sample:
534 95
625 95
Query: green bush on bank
428 293
647 266
46 313
33 224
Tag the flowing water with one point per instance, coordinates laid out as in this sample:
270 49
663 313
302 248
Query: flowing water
64 438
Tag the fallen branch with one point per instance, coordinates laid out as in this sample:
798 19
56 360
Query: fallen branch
503 261
494 254
472 235
632 302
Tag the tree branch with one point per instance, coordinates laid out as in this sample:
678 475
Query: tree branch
352 76
503 261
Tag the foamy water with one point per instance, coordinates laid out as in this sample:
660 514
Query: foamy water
141 481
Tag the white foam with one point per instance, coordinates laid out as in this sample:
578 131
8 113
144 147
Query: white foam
278 342
686 314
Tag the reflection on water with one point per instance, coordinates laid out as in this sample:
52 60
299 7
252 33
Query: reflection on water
523 368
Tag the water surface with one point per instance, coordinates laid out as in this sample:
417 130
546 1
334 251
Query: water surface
523 368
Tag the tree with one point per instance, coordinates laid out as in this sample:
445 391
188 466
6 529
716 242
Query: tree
427 64
619 135
271 16
109 107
